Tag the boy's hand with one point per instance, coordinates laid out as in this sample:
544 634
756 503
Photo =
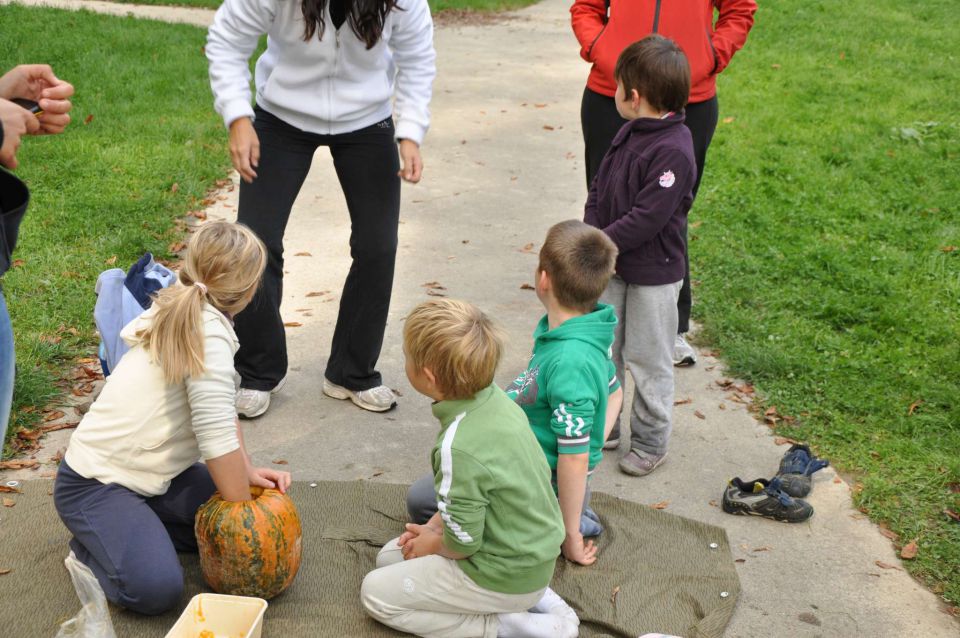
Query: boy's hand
16 121
419 541
37 82
576 550
412 169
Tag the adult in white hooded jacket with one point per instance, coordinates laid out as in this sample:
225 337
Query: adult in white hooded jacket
355 76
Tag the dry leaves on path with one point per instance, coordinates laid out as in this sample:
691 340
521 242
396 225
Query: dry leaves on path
683 401
302 254
9 489
8 502
5 571
662 505
699 414
292 324
526 287
883 565
19 464
280 462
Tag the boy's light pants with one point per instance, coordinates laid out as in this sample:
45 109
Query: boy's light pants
643 343
431 596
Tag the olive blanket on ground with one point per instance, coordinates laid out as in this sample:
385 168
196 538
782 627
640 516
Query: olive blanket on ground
656 572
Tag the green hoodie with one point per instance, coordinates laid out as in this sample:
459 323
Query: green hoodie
565 387
494 495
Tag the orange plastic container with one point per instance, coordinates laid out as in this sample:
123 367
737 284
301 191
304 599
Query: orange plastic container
221 616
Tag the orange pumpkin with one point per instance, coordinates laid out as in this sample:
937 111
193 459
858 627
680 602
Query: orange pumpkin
249 548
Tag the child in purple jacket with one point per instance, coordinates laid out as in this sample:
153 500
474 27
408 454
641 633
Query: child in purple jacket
640 198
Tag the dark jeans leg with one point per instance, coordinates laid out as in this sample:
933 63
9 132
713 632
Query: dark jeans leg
285 157
367 163
119 536
177 509
422 499
701 119
600 123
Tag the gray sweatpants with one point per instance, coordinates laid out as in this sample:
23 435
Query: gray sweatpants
643 343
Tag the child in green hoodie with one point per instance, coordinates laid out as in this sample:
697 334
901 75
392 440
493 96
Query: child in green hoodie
569 391
482 564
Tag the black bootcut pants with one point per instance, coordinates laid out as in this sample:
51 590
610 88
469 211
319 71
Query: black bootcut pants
367 163
600 122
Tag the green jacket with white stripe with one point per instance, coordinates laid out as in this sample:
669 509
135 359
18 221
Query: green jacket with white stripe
565 387
494 494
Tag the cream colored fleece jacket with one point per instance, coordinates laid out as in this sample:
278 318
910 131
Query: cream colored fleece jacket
142 432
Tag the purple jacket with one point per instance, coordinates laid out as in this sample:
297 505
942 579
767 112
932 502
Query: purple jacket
641 196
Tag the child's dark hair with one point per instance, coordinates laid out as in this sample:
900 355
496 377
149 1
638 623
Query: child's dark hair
579 260
656 68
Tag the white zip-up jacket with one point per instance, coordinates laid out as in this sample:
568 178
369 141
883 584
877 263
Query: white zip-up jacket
332 85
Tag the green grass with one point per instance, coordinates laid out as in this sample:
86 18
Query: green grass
828 212
436 6
105 187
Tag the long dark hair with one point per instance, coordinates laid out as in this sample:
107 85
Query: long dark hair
366 18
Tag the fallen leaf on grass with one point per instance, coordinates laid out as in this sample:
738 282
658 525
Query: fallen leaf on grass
9 489
198 214
176 247
526 287
883 565
770 411
175 187
699 414
9 502
88 119
613 596
697 224
302 254
683 401
948 249
909 551
662 505
19 464
775 66
17 263
53 416
280 462
292 324
955 516
729 120
29 435
914 406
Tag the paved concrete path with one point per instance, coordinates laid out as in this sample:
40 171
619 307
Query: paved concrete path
503 163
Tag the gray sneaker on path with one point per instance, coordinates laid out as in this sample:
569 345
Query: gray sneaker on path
639 463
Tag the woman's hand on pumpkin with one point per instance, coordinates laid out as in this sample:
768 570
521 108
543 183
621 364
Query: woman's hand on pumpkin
270 478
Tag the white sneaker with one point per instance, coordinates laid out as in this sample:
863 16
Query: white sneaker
552 603
378 399
252 403
683 353
527 625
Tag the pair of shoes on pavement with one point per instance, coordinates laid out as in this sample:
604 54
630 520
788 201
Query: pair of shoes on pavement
779 498
551 617
253 403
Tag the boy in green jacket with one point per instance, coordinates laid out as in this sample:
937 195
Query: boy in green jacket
482 564
569 391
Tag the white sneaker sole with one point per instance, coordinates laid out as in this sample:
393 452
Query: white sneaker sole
339 392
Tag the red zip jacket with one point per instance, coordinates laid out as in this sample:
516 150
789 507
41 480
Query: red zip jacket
707 45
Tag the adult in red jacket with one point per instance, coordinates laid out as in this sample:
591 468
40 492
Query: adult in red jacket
606 27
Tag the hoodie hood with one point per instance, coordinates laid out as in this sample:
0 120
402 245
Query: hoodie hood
208 315
594 328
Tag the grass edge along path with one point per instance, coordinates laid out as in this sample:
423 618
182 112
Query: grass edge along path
826 239
142 150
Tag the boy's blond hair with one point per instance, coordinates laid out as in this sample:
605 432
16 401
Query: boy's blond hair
222 266
457 342
579 259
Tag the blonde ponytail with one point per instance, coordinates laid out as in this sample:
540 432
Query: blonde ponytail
222 266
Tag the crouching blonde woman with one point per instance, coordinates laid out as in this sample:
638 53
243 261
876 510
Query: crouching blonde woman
131 480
